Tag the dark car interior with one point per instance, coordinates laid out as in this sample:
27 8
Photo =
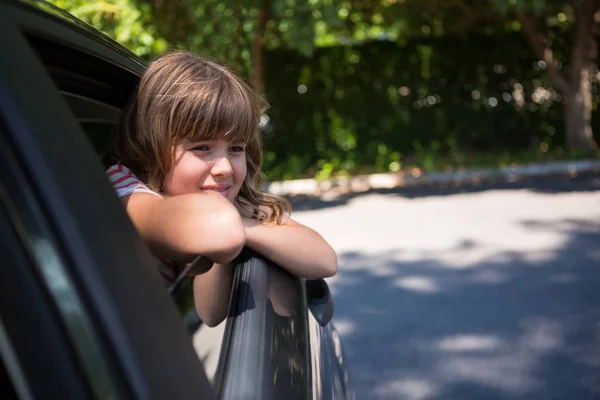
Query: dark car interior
95 91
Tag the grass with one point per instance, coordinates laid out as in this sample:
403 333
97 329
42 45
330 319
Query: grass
429 161
478 159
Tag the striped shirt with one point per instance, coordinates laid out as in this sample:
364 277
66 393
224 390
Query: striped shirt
126 183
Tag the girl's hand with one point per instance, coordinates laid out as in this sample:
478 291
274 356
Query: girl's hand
292 246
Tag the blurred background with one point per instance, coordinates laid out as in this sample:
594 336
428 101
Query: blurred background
367 86
482 290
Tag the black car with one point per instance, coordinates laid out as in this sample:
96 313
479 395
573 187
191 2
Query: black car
83 311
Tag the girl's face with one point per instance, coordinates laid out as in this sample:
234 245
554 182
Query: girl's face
216 164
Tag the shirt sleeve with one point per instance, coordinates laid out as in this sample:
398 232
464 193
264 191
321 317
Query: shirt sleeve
125 182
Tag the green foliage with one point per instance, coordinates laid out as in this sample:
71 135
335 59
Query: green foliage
388 106
536 6
379 83
225 30
126 21
401 20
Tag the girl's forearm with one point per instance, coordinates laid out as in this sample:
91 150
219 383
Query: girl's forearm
212 292
181 227
292 246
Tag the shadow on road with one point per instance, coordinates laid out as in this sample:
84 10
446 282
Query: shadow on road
583 183
515 326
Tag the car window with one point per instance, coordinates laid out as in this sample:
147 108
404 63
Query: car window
269 314
267 351
95 97
98 121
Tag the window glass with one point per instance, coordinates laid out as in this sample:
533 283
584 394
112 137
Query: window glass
98 121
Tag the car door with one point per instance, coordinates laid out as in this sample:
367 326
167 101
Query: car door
83 306
59 128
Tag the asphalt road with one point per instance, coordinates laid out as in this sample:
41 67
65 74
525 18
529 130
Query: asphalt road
480 292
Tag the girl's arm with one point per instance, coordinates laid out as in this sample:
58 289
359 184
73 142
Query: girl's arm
212 291
293 246
181 227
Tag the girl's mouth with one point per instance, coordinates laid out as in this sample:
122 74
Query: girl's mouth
224 190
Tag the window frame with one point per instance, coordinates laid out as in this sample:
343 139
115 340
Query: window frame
22 224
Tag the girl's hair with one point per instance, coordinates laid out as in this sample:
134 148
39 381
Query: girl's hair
182 95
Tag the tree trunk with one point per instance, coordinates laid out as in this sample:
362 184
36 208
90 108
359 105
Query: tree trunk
578 110
578 113
258 48
577 86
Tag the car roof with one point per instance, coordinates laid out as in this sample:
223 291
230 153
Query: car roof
51 12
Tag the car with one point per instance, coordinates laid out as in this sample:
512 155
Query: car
84 312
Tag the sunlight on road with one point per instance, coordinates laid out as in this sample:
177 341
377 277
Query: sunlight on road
419 284
445 226
491 294
510 366
466 342
463 231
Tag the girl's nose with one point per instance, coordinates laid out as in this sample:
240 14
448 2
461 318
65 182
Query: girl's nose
221 167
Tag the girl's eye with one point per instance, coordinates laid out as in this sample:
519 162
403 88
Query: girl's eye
201 148
237 149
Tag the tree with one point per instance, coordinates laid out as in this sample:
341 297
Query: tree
234 32
542 21
126 21
575 82
239 32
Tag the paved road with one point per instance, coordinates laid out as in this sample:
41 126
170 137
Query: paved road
474 293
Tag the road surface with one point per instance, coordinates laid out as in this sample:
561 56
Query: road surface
479 292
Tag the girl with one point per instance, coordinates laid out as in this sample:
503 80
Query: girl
188 155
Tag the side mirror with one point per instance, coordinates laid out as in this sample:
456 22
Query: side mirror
320 302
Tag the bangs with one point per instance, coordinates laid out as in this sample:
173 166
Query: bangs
223 108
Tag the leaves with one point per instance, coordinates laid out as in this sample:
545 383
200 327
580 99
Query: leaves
341 99
126 21
535 6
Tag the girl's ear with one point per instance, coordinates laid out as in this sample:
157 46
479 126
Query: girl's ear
265 212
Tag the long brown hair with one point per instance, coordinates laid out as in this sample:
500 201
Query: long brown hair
183 95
